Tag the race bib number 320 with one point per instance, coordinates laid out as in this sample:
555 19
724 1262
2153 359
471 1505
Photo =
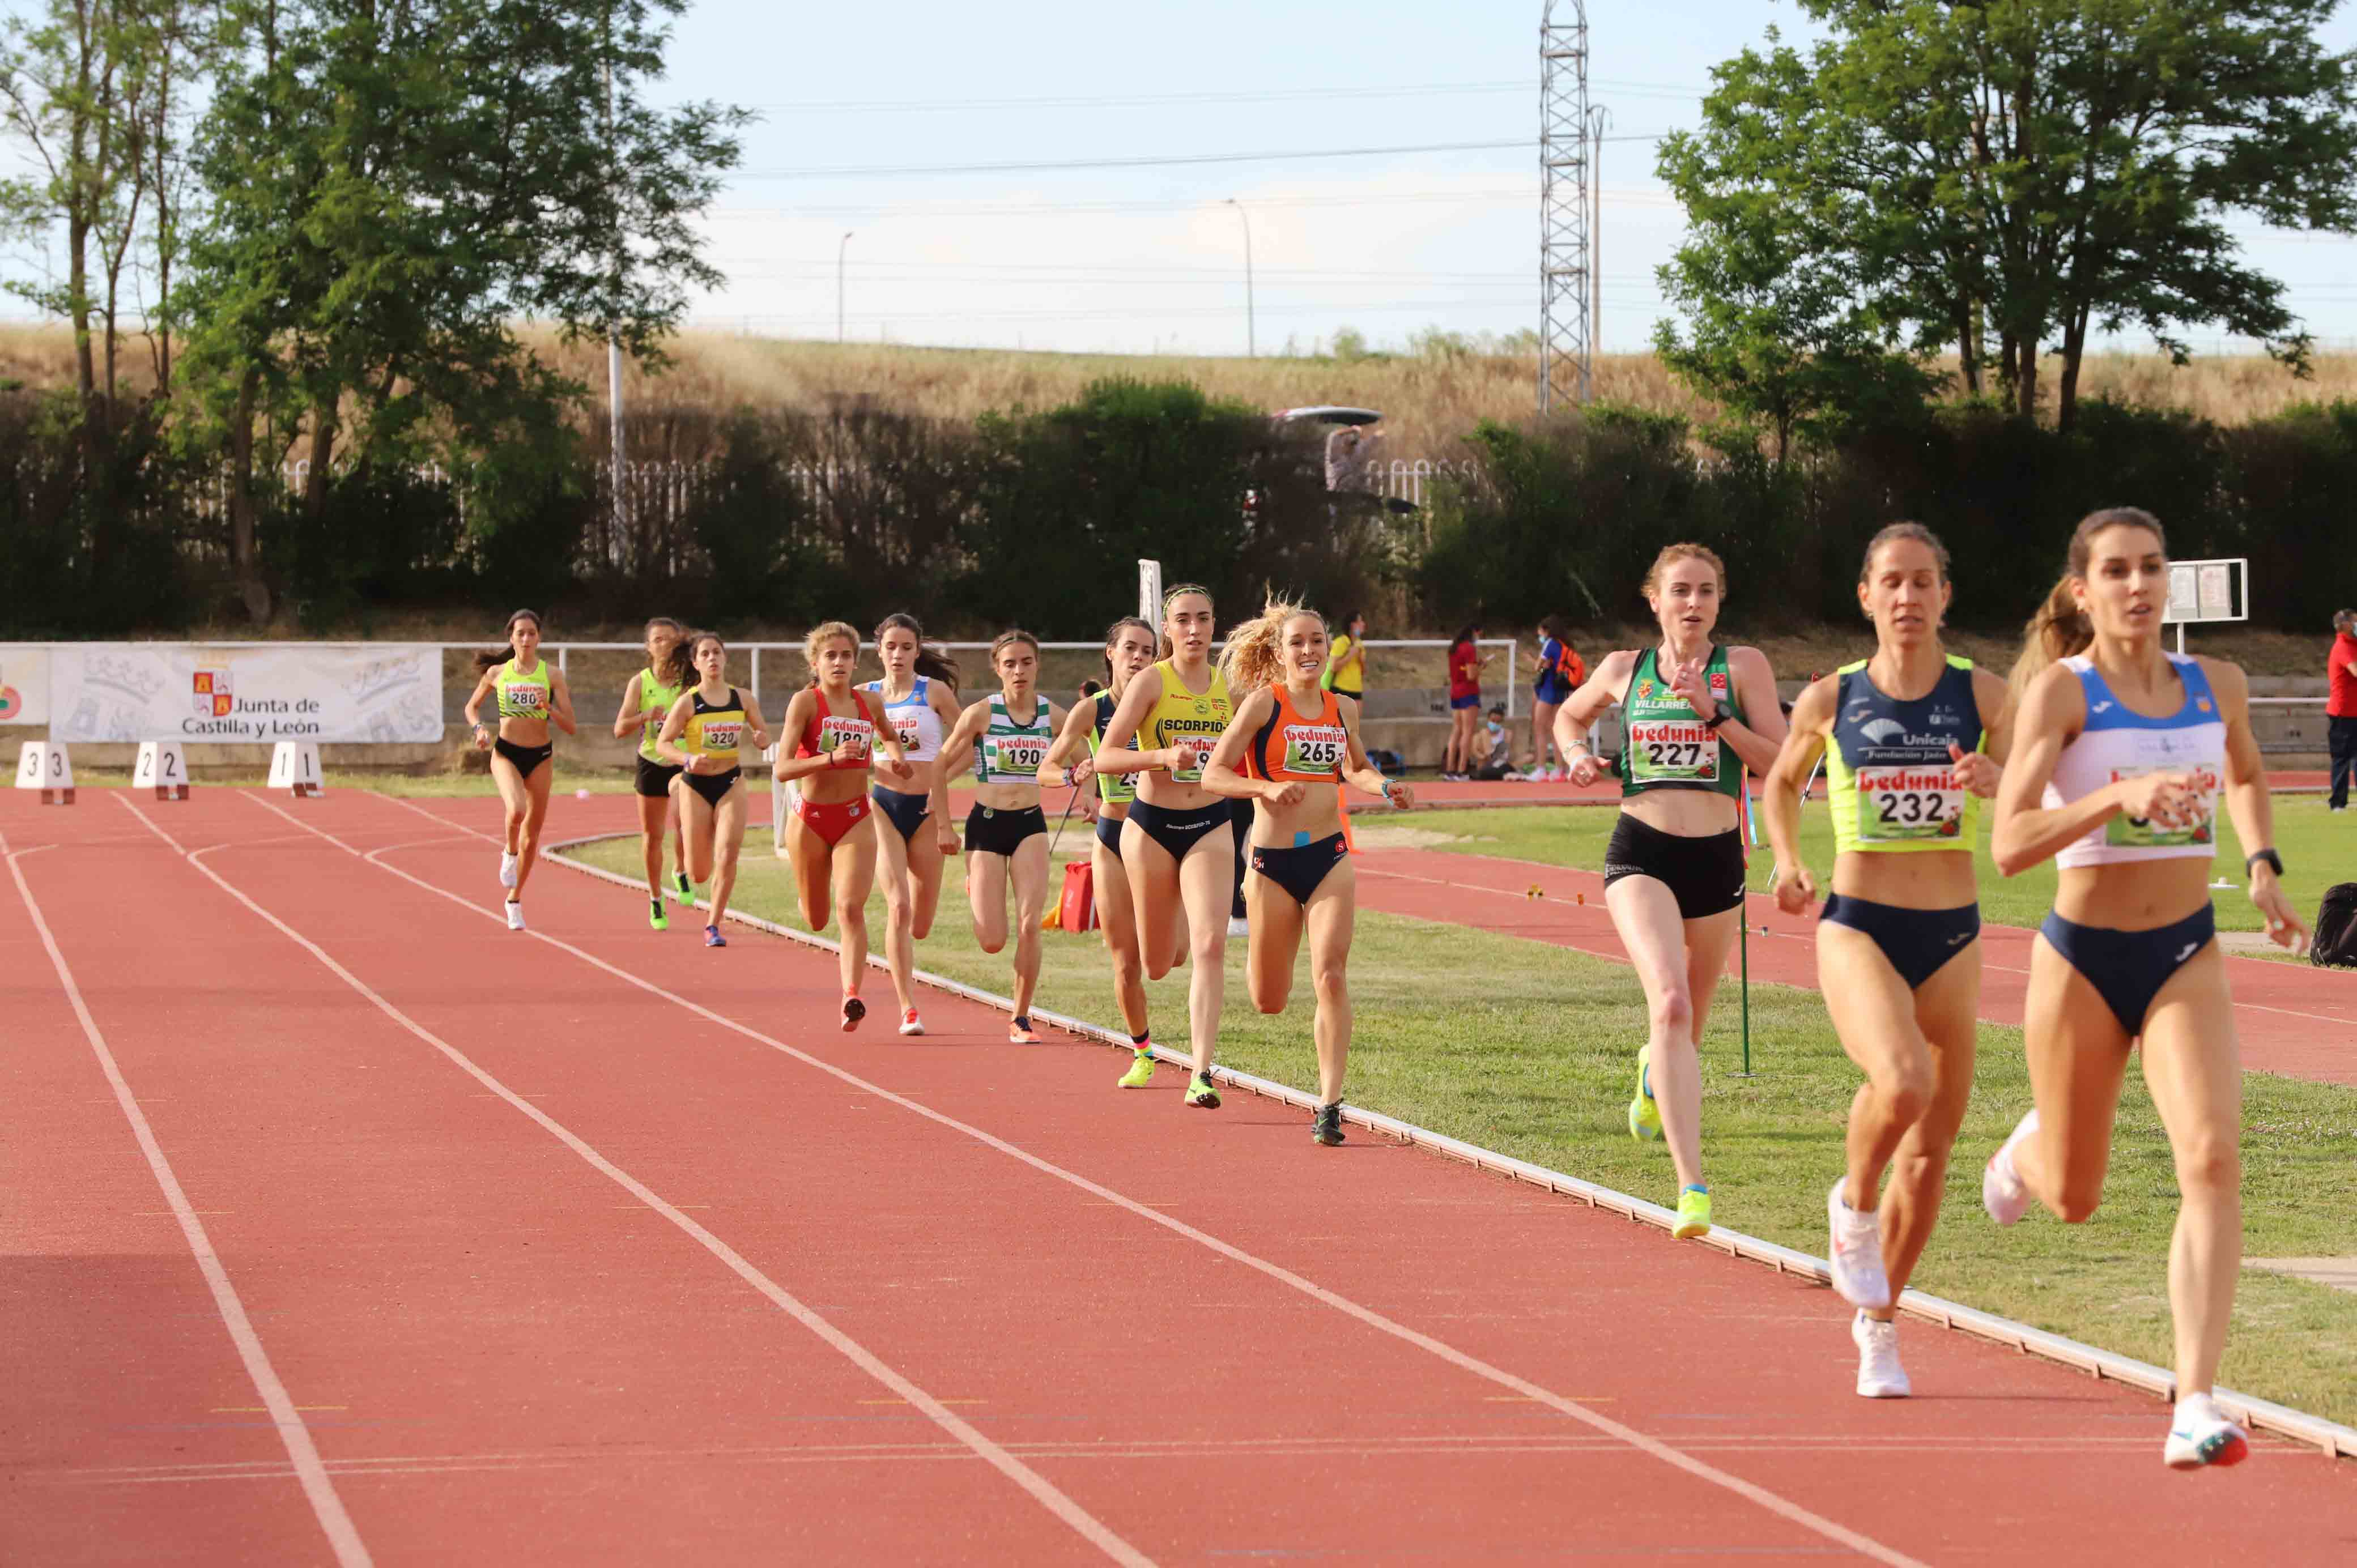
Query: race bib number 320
1672 750
1907 805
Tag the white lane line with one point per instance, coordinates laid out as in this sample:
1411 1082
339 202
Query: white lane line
1016 1470
1781 1506
342 1535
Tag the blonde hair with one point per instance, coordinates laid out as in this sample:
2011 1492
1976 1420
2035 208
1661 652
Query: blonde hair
1672 554
2060 628
1254 656
823 634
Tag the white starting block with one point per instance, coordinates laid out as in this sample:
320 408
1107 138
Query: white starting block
163 769
43 765
294 767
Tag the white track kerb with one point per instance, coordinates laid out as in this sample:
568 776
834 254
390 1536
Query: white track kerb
2262 1414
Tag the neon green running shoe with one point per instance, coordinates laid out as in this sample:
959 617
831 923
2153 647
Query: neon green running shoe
1141 1068
1693 1214
1202 1093
682 887
655 915
1644 1113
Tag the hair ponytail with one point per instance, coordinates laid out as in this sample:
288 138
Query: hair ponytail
679 665
2060 630
1254 656
931 664
491 658
1113 635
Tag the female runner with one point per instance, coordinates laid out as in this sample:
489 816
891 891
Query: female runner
1916 735
1698 714
646 703
532 696
837 740
1005 833
701 738
1466 661
2120 749
918 696
1292 746
1176 844
1129 650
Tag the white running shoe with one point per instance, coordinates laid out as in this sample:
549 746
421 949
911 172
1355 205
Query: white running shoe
1879 1375
2002 1192
515 914
507 869
910 1024
2201 1434
1238 927
1855 1252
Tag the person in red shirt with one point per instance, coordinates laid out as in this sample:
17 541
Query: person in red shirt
2340 708
1465 662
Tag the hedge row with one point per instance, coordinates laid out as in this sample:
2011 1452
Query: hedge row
1038 519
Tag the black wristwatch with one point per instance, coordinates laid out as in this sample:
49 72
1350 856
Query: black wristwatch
1715 720
2270 856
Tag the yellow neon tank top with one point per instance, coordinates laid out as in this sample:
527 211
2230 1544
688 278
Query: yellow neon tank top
1194 720
523 694
715 729
656 698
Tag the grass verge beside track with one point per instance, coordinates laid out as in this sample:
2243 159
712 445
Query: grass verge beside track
1527 1048
2318 849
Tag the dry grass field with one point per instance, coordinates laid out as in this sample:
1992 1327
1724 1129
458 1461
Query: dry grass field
1431 401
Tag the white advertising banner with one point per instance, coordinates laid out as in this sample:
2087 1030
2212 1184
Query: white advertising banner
24 684
154 690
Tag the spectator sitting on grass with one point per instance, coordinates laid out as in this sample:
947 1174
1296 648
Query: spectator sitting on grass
1496 755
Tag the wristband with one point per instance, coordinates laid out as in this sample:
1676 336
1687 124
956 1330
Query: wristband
2275 861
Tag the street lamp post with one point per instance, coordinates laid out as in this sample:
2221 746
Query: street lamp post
1251 339
840 246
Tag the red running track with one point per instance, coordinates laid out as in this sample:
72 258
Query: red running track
590 1245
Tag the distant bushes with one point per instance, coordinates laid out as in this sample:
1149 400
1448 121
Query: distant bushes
1038 518
1569 515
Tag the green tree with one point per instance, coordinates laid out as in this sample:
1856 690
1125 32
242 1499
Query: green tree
390 186
2006 179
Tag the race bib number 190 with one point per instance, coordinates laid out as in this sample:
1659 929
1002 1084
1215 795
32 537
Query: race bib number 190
1021 754
1194 751
1906 805
1672 750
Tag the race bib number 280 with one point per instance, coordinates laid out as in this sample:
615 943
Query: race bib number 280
1672 750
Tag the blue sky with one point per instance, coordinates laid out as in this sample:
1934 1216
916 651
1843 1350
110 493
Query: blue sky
1144 259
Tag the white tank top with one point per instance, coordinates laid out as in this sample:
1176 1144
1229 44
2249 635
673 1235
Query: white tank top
2120 744
913 718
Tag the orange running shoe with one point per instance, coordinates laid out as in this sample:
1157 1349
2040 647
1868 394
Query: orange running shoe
854 1010
1020 1033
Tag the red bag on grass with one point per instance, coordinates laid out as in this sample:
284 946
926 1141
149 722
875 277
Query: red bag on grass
1077 910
